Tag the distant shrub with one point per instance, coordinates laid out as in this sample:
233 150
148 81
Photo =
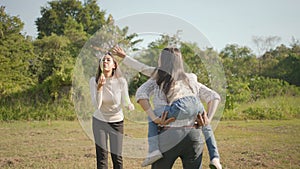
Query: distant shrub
272 108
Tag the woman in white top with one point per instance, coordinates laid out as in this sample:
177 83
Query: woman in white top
109 91
184 86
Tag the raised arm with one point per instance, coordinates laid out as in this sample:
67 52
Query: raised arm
129 61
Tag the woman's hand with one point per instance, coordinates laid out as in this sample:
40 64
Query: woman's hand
101 81
130 107
118 51
202 119
163 119
157 120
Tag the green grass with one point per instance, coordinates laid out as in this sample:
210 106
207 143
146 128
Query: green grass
275 108
63 144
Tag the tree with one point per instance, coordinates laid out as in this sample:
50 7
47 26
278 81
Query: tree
239 61
58 14
234 51
54 64
264 44
16 54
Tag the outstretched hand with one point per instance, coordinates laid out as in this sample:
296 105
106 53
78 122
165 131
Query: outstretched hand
118 51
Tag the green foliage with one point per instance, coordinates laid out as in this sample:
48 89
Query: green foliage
16 54
37 76
34 105
57 15
262 87
136 82
54 65
194 59
239 61
287 69
272 108
282 63
238 91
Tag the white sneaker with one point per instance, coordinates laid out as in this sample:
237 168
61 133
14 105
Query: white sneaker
215 164
152 157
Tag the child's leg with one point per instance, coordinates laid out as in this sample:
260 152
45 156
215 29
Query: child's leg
153 130
152 136
154 153
210 142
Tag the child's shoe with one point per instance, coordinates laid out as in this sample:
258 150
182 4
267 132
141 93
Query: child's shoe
215 164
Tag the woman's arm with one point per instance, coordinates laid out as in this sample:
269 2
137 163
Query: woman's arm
212 99
145 104
96 95
143 95
129 61
125 96
212 108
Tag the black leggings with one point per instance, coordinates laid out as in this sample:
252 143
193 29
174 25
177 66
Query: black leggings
114 132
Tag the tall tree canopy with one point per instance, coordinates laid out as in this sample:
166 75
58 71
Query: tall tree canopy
58 14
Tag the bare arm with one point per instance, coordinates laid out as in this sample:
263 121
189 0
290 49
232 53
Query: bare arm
212 99
212 107
145 104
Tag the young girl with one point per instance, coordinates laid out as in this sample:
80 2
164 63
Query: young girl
109 93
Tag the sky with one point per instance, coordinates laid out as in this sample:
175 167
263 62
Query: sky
222 22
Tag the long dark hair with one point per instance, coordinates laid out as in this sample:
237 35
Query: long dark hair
170 69
116 72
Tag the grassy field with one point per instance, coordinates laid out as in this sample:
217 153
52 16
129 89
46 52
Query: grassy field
64 144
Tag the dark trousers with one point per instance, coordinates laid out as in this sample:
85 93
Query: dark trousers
185 144
113 132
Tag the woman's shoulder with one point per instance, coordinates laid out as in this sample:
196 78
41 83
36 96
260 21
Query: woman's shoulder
192 76
150 83
93 79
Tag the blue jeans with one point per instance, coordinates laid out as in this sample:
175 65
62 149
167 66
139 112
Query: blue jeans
183 108
210 142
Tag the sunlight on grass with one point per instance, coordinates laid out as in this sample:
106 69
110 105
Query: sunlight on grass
63 144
